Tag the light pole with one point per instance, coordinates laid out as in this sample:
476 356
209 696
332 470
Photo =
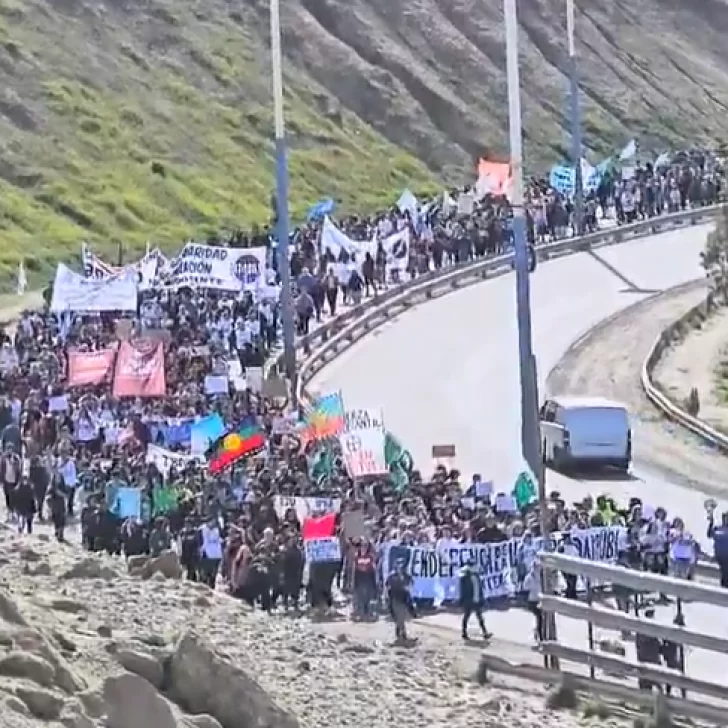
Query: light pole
530 426
284 267
530 436
575 121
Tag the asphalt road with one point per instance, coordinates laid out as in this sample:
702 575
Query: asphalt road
447 373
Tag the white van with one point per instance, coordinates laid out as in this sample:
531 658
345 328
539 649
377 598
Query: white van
585 431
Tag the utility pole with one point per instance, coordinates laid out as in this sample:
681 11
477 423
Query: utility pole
284 266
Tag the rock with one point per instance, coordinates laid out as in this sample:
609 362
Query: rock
202 682
74 716
202 721
132 702
16 705
31 641
167 564
358 649
103 630
9 611
76 720
43 569
152 639
28 554
90 569
136 562
92 702
202 601
42 703
64 642
68 605
25 665
141 664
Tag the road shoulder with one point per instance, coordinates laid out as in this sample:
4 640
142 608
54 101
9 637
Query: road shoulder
607 362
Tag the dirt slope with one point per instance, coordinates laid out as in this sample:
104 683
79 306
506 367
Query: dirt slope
380 93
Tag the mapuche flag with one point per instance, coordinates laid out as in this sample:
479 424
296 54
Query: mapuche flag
246 440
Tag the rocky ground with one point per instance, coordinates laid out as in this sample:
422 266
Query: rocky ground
608 361
699 360
84 644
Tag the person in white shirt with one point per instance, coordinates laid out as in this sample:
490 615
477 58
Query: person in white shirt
211 550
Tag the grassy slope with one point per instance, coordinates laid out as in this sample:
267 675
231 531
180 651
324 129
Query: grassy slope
97 115
93 92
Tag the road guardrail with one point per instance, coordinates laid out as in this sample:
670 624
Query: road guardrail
665 404
330 340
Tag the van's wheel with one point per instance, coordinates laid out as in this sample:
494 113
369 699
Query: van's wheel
558 460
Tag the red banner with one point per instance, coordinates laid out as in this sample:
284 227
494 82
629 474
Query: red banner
140 369
89 367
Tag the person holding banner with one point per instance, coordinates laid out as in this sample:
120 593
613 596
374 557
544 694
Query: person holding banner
471 598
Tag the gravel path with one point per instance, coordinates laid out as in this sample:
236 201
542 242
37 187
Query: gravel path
693 363
607 362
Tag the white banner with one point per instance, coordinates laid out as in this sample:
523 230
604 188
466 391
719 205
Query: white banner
73 292
224 269
397 247
305 507
502 567
145 269
165 460
363 451
334 240
322 549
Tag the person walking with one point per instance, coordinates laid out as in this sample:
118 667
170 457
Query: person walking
398 595
472 598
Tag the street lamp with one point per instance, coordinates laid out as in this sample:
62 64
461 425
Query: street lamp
575 122
530 420
530 436
284 267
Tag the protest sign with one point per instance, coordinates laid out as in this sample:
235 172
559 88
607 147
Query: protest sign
89 367
364 418
128 503
9 360
164 500
224 269
305 507
363 452
59 403
216 384
165 460
434 568
139 370
72 292
320 550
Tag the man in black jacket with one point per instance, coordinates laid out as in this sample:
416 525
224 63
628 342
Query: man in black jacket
471 598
